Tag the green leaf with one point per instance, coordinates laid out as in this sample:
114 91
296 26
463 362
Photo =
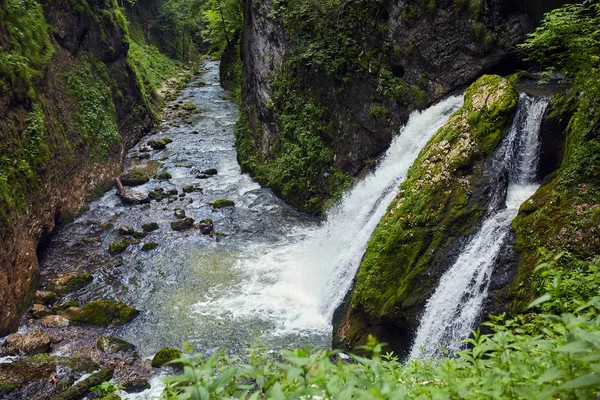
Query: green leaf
540 300
582 382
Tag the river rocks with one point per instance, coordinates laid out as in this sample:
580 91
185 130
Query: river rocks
140 234
222 203
158 144
118 246
80 389
111 344
45 297
206 226
136 385
102 313
164 175
126 231
39 311
210 172
191 189
180 214
182 224
149 246
132 197
150 226
54 321
189 107
67 283
165 355
134 178
33 342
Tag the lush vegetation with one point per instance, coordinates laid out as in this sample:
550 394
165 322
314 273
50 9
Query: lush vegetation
564 215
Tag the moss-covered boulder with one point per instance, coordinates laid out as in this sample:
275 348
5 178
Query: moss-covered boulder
126 230
180 214
441 201
164 175
182 224
102 313
191 189
150 226
140 234
111 344
189 106
134 178
69 282
118 246
45 297
149 246
158 144
222 203
206 226
165 355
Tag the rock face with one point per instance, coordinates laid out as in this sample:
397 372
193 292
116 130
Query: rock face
443 199
71 157
398 56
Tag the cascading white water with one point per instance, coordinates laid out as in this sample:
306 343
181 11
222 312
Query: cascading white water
456 304
296 287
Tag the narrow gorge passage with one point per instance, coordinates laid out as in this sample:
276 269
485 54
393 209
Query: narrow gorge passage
455 307
273 273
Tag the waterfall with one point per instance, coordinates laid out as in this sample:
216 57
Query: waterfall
452 311
296 287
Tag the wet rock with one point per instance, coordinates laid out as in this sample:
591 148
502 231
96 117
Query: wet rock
118 246
149 246
107 226
180 214
182 224
191 189
45 297
70 282
156 195
39 311
182 195
167 140
102 313
134 178
164 176
173 192
150 226
82 388
33 342
189 107
202 176
210 171
54 321
222 203
140 234
206 226
126 231
165 355
157 144
195 133
136 385
111 344
129 196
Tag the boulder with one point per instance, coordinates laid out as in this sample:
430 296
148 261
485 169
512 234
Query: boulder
180 214
111 344
206 226
54 321
126 230
134 178
39 311
191 189
222 203
45 297
118 246
157 144
210 171
149 246
182 224
69 282
33 342
165 355
102 313
150 226
136 385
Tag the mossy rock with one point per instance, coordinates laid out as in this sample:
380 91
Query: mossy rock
103 313
191 189
210 172
118 246
166 355
442 200
149 246
126 231
180 214
111 344
136 385
45 297
222 203
70 282
157 144
182 224
140 234
134 178
190 106
167 140
150 227
164 175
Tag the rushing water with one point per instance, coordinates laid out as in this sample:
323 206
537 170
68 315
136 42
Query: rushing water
276 272
454 308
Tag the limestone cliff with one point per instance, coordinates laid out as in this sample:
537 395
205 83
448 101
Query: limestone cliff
70 104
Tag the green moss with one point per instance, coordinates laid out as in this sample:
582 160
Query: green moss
165 355
149 246
189 106
222 203
110 344
150 226
104 313
118 246
73 283
434 206
90 86
134 178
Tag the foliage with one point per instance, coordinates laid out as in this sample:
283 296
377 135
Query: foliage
106 388
89 84
224 19
24 57
534 357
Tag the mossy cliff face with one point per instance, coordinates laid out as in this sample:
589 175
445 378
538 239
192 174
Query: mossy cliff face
326 84
443 199
67 112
